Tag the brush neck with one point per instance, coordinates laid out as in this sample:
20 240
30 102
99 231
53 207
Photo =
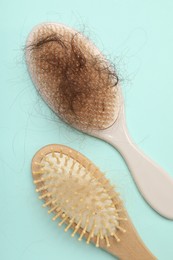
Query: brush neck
130 247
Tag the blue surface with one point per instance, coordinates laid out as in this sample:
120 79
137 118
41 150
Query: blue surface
138 36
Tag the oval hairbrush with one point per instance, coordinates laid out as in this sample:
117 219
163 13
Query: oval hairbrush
81 86
77 192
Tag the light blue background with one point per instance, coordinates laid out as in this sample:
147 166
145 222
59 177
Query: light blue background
138 36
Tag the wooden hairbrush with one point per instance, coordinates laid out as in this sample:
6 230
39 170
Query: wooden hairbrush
77 192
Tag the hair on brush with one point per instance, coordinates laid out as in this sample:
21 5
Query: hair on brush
72 76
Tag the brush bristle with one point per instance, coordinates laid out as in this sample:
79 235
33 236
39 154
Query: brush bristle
73 77
76 191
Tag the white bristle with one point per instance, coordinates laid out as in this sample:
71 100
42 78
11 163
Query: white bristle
78 192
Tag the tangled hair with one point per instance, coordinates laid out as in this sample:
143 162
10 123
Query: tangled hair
72 76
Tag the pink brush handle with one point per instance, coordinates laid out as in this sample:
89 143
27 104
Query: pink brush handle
154 183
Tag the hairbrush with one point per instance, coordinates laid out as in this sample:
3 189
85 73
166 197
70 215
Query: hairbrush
82 87
78 193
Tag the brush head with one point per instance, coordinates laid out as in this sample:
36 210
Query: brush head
75 190
73 77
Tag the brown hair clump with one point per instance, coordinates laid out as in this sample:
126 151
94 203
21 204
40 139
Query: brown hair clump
72 76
